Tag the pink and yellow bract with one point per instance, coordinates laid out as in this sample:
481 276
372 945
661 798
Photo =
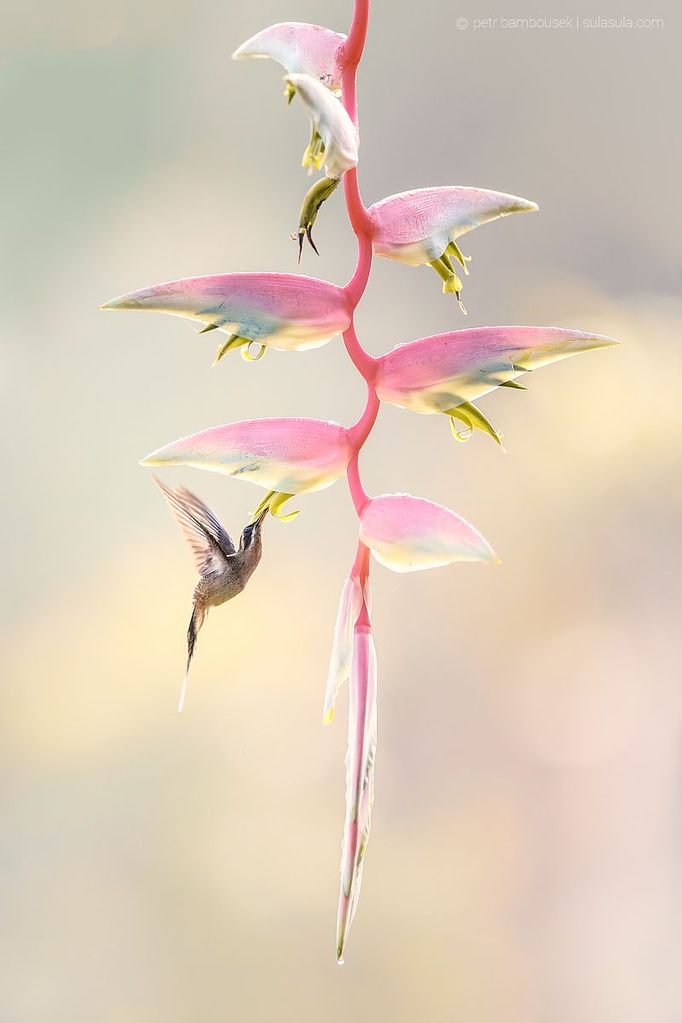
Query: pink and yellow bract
417 227
288 312
437 373
290 456
300 49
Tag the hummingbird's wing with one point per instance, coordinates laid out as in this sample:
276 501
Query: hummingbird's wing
211 544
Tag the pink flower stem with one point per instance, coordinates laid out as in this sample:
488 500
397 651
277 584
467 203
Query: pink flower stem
358 282
362 226
357 34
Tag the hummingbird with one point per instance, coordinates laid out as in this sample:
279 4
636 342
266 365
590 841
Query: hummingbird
224 570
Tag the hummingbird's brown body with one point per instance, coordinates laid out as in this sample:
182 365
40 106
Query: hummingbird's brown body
224 570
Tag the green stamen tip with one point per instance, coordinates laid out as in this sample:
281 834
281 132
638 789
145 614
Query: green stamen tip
318 194
454 249
234 341
276 505
473 419
246 352
451 282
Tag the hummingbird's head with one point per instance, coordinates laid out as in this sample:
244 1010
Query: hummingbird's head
251 532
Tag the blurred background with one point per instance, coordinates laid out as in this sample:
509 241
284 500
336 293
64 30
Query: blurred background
524 864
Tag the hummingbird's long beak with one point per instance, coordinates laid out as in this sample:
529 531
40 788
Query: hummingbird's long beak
259 520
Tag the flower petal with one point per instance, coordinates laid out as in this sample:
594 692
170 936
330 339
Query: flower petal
350 606
288 456
300 49
407 533
331 122
284 311
440 372
417 227
360 759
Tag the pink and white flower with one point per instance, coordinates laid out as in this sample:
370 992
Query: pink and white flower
300 49
421 227
408 533
285 456
445 373
287 312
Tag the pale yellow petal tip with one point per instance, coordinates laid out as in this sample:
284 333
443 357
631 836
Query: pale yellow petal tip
122 302
524 206
494 559
328 716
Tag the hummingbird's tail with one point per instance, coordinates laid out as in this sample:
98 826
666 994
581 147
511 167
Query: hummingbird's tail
195 623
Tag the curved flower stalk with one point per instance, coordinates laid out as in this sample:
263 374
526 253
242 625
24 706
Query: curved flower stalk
334 143
283 311
440 374
285 456
445 373
300 49
421 227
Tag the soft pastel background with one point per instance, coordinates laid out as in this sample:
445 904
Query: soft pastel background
524 865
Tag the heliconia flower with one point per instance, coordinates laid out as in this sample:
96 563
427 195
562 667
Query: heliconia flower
446 372
350 606
421 227
300 49
408 533
270 310
334 143
285 456
360 760
337 148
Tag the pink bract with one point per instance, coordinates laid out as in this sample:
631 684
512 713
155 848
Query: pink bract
290 456
437 373
407 533
300 49
284 311
417 227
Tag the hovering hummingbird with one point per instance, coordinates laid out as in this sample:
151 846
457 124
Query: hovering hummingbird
224 570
